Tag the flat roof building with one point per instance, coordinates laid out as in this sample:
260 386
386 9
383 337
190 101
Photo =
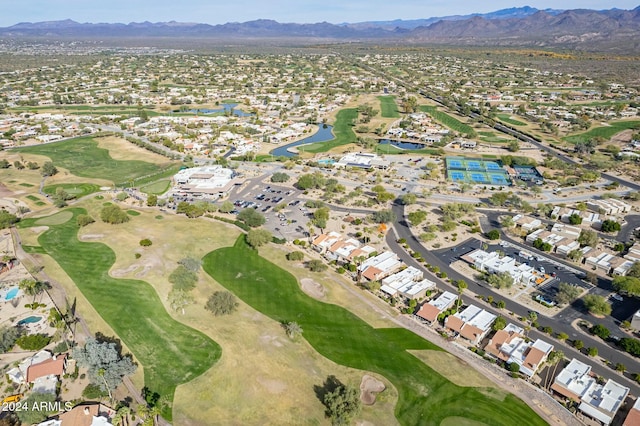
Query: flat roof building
430 311
207 181
473 323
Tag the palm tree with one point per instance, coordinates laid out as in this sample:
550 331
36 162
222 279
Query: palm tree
293 329
33 288
554 359
121 417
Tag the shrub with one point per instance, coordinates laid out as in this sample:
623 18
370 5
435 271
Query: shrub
316 266
84 220
221 303
145 242
295 256
592 351
94 392
601 331
494 234
113 214
33 342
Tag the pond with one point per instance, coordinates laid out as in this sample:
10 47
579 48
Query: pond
324 134
402 145
225 108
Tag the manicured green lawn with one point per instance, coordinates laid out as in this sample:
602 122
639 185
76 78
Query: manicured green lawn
604 131
159 187
388 107
33 198
342 128
447 120
77 189
424 396
390 149
82 157
506 118
170 352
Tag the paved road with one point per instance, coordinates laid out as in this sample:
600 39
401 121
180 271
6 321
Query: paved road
561 323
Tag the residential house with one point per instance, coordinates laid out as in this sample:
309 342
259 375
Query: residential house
42 370
633 418
598 401
493 264
380 266
527 223
608 206
620 266
86 414
634 253
565 230
599 259
473 323
323 241
510 345
430 311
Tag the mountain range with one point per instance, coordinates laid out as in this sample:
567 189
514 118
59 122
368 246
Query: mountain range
582 29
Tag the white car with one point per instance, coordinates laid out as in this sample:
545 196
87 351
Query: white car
616 296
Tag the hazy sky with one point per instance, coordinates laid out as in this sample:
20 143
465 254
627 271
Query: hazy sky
302 11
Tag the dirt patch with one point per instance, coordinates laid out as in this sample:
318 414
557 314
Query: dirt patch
5 192
272 386
312 288
118 273
369 388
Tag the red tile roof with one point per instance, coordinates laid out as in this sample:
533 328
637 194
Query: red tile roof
428 312
45 368
633 418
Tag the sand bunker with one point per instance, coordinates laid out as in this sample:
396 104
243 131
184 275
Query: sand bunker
39 229
91 236
369 388
312 288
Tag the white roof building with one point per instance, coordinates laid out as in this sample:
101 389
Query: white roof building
598 401
473 323
208 180
430 311
363 160
493 264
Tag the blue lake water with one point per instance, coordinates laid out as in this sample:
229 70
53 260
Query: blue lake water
324 134
225 108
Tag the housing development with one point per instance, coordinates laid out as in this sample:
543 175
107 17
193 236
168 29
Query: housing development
321 234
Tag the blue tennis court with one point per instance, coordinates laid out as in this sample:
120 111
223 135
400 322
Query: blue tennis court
457 176
476 171
479 177
473 165
497 179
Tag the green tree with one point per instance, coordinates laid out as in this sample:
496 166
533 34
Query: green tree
4 164
226 207
384 216
258 237
105 363
627 285
222 303
597 305
84 220
513 146
500 280
183 279
417 217
251 217
279 177
578 344
588 237
567 293
499 324
40 399
8 337
113 214
343 404
152 200
408 199
601 331
592 351
7 219
494 234
295 256
179 299
316 265
610 226
48 169
575 219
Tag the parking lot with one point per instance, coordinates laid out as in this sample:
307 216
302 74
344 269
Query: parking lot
289 223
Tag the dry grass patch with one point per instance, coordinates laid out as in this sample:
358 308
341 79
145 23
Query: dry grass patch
272 375
122 150
453 368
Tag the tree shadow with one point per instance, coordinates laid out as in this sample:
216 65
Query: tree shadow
330 385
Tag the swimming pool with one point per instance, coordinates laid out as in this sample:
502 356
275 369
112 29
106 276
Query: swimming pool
12 293
29 320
